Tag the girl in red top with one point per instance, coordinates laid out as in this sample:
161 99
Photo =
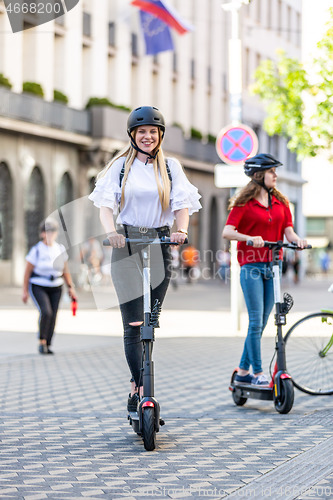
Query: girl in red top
258 213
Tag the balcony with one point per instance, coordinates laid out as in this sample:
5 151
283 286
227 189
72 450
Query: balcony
51 114
108 122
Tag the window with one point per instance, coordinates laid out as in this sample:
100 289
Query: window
112 34
193 69
86 26
6 212
135 47
34 206
209 76
298 29
279 17
65 190
289 19
247 67
174 62
269 14
258 15
316 226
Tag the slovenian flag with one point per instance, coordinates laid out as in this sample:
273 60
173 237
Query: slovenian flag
157 17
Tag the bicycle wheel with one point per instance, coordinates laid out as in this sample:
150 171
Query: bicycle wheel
309 353
148 429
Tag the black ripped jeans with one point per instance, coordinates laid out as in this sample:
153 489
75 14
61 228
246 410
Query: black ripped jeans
126 272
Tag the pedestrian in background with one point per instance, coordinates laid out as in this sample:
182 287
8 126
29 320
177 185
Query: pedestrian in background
223 261
190 261
150 193
45 273
258 213
175 265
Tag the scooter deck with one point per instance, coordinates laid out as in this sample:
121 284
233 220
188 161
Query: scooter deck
251 391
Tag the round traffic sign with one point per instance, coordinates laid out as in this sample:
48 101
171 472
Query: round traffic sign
236 143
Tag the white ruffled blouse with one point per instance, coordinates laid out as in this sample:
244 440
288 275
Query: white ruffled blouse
142 205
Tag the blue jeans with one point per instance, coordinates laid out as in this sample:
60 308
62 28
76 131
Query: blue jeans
257 284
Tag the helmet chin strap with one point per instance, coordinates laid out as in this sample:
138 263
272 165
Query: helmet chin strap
136 147
269 190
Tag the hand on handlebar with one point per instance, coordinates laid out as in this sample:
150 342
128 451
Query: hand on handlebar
257 241
116 240
178 238
301 243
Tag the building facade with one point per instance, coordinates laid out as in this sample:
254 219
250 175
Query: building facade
317 171
51 152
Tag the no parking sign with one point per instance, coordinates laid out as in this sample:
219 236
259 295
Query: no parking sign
236 143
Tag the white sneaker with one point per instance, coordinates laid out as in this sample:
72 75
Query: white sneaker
260 380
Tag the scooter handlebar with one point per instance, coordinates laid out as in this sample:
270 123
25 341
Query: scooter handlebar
280 244
164 240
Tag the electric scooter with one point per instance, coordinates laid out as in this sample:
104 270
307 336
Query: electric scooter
281 388
146 420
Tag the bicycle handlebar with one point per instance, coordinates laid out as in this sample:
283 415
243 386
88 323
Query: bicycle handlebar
164 240
280 244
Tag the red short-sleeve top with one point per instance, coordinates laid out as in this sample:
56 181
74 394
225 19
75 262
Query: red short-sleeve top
255 219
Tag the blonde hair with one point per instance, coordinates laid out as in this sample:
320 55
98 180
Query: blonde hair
161 174
252 190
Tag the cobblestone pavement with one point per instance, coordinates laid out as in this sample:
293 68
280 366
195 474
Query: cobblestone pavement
64 430
65 434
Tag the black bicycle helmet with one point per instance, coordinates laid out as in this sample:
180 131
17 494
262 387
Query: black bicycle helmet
145 115
260 162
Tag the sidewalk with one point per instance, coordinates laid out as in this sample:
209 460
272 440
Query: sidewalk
199 309
63 422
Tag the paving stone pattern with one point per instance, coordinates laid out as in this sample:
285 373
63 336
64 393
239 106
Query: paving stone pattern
64 433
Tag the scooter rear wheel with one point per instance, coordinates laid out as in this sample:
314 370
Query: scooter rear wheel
238 400
285 402
148 429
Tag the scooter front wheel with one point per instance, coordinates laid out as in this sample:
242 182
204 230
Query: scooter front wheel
284 403
148 429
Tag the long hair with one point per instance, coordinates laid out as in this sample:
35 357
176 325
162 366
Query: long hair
252 190
161 174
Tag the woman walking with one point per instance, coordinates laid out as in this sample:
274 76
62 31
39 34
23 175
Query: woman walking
45 273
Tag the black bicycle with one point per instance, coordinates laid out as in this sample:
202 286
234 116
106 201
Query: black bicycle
146 420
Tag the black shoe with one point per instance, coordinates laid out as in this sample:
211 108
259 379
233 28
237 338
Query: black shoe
244 379
43 349
49 350
132 403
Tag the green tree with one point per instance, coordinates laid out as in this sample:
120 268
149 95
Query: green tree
298 102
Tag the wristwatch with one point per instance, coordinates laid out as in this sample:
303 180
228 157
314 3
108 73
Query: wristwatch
184 231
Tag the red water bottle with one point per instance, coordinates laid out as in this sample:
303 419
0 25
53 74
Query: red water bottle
74 306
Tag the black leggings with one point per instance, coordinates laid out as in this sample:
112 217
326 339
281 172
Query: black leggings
47 300
126 271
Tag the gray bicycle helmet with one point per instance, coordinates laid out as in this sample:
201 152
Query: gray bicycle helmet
260 162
